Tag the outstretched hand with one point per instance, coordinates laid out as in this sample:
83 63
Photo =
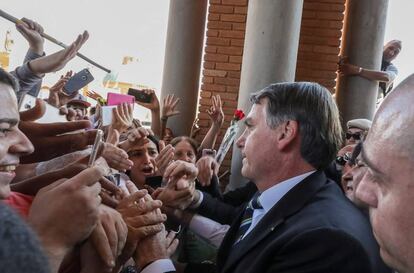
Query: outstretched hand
136 137
207 167
122 117
164 158
154 105
216 111
53 139
58 60
168 107
32 32
142 216
57 97
73 215
34 113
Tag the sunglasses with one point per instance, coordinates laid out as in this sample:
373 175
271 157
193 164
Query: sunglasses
343 159
356 136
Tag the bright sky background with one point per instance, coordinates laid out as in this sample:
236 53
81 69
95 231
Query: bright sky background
399 26
134 28
138 28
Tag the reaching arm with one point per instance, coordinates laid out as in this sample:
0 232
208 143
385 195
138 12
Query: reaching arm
168 110
348 69
154 107
217 117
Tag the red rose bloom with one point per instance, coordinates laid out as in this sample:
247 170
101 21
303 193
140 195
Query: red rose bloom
238 114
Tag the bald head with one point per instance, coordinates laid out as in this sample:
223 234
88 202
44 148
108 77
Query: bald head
387 187
393 124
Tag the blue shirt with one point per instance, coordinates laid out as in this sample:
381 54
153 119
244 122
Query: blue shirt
269 198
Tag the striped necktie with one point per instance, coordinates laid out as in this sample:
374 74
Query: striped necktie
247 217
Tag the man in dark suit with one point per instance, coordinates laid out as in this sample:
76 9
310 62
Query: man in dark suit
298 221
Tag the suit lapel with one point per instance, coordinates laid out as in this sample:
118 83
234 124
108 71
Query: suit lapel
292 202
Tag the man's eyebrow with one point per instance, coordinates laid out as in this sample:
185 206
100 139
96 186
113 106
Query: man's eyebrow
10 121
368 162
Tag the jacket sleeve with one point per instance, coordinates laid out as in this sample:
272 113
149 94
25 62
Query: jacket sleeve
27 79
226 208
217 210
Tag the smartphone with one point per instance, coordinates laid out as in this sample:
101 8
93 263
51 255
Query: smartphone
116 99
78 81
95 147
140 95
154 181
52 114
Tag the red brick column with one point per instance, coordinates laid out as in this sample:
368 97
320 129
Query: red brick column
321 31
222 62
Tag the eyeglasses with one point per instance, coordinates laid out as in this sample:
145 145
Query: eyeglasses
356 136
343 159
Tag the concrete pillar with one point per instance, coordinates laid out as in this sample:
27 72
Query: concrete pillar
362 43
182 62
270 54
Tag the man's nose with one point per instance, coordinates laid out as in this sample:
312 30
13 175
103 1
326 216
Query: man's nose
21 145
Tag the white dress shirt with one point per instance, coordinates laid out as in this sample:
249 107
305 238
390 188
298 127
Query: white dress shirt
271 196
208 229
159 266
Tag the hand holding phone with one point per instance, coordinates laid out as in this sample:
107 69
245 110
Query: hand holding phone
140 95
77 82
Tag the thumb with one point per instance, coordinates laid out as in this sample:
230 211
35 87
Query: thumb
87 177
34 113
161 145
113 138
53 185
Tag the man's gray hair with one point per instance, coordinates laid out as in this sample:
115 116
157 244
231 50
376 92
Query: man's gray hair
312 106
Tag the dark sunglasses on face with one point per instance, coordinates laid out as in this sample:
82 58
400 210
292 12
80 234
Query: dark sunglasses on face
356 136
342 160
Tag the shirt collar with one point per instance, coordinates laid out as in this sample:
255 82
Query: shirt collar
272 195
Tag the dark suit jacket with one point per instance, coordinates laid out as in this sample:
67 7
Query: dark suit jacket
225 208
313 228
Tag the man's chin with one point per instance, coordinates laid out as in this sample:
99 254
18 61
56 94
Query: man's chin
244 172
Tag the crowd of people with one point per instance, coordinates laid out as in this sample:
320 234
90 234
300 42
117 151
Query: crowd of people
143 200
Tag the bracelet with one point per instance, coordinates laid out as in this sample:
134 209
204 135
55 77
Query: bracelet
360 70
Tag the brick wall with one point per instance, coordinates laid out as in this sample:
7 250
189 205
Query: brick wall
321 31
222 62
317 55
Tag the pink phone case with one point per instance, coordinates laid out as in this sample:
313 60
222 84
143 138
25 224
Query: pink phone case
115 99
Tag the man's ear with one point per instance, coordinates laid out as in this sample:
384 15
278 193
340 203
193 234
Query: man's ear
289 130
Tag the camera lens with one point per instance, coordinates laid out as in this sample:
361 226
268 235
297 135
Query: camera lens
84 78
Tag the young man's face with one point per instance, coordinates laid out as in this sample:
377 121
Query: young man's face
13 143
391 51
